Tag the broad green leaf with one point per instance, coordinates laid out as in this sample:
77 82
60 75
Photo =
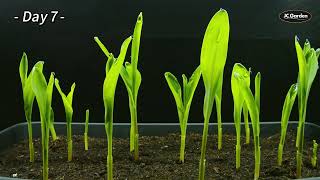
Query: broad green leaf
302 68
39 87
51 116
126 74
184 89
213 56
67 104
23 69
318 52
114 71
239 71
176 92
111 79
102 47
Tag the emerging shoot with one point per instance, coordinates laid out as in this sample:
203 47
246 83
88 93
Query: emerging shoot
308 67
314 158
132 79
113 68
183 101
253 107
43 93
286 111
86 131
67 102
238 99
212 61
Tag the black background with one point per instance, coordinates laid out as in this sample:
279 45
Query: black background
171 41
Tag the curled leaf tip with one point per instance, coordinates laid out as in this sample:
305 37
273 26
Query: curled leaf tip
140 17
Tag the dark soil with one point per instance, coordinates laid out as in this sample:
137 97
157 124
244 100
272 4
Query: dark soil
158 159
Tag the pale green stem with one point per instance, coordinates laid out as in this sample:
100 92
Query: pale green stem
53 132
203 150
246 125
218 108
45 146
257 157
31 148
86 141
134 135
182 146
109 128
314 158
238 150
69 140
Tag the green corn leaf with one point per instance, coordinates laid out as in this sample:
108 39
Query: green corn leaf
192 85
251 104
39 87
176 92
50 88
67 101
257 82
288 103
110 82
23 69
213 56
102 47
239 71
126 74
136 41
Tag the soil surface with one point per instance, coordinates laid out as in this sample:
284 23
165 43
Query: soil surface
158 159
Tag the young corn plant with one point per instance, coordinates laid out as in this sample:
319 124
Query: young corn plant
252 103
67 102
212 61
183 101
314 158
132 79
286 111
28 98
308 67
238 99
43 94
113 68
86 131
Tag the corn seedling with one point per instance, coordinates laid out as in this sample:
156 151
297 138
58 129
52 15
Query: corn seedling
183 101
253 107
238 99
113 68
308 67
28 98
86 131
314 158
43 94
212 61
286 111
132 79
67 102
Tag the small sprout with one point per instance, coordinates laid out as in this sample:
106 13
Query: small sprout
67 102
132 79
183 101
314 158
43 93
286 111
253 107
212 61
238 99
86 131
308 67
113 68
